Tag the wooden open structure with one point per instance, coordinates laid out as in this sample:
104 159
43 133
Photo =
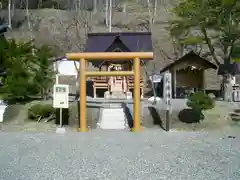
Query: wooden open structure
117 42
188 73
111 56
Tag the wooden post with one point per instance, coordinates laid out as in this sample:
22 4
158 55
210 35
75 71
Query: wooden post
137 96
168 120
94 91
167 96
174 83
83 117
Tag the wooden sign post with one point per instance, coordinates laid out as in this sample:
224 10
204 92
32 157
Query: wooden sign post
167 98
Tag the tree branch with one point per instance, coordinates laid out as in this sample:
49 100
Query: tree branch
166 55
231 48
210 47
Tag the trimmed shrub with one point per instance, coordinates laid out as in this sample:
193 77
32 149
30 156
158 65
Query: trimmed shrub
40 110
200 101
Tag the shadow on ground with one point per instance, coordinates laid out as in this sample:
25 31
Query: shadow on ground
151 116
189 116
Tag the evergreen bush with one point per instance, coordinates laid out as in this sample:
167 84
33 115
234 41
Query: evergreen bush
40 110
198 102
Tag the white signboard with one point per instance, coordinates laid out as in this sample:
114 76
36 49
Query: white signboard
156 78
60 96
167 90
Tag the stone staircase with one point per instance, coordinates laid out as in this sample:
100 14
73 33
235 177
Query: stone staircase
112 118
117 95
235 116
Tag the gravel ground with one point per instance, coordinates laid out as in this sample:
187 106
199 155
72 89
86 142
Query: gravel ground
116 155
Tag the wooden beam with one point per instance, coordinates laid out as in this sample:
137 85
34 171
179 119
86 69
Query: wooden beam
110 73
109 55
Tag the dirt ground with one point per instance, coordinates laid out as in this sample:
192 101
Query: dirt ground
216 119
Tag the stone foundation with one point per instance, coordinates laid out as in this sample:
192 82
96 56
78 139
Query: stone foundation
117 95
93 112
151 116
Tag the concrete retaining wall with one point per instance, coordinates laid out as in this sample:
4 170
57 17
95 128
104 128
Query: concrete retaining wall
93 112
152 116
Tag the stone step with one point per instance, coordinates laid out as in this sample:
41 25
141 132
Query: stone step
119 117
235 114
112 118
113 109
113 127
112 113
236 119
111 121
237 111
113 105
113 124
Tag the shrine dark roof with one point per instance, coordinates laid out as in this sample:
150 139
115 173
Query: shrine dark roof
192 57
130 42
233 69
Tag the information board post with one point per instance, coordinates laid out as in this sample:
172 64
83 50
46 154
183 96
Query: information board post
155 79
61 100
167 97
60 118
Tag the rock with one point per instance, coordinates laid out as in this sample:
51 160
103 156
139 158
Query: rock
211 95
151 99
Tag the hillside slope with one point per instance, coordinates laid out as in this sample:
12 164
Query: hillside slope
65 30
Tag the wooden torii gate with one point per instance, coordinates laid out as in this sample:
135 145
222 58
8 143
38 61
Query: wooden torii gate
111 56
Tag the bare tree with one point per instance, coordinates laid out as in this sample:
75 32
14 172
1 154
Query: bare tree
24 4
73 30
94 6
107 13
152 11
9 14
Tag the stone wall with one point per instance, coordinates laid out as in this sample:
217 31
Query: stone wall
93 112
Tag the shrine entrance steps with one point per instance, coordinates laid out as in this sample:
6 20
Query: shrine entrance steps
112 115
112 118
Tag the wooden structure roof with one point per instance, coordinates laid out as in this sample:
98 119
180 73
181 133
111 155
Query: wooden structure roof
126 41
191 56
